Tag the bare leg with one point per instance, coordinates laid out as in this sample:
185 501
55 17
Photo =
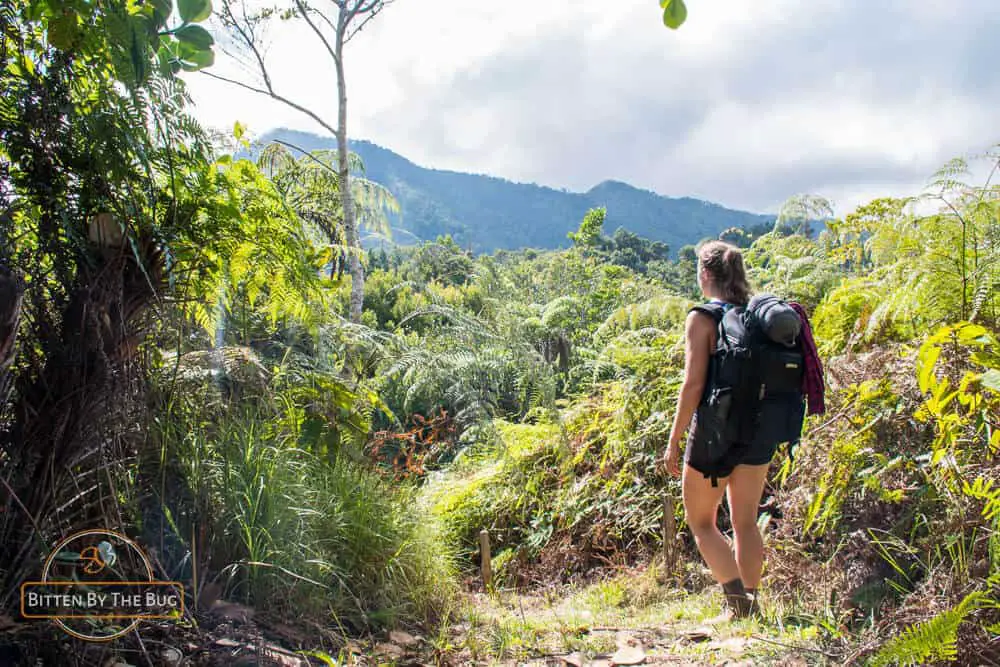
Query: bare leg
701 505
746 485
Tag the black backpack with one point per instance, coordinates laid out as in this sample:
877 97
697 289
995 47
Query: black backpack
753 394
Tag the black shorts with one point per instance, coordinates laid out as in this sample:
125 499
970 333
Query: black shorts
754 454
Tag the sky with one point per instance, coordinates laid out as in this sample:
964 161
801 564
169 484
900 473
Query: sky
748 104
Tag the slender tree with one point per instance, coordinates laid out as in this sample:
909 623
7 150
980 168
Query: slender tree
334 23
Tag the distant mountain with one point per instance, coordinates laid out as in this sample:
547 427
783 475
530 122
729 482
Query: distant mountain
485 213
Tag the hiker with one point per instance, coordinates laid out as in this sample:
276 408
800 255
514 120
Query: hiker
741 470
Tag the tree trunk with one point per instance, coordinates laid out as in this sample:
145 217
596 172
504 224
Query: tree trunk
11 295
346 196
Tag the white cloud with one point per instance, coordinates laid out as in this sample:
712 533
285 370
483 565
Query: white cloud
746 104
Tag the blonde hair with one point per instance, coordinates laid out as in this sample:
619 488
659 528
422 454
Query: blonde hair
724 265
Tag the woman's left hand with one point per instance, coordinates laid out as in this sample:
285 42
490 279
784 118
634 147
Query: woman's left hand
671 460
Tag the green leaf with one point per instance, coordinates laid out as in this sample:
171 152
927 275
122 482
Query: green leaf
926 360
674 13
194 11
196 60
161 12
973 333
62 30
196 36
991 379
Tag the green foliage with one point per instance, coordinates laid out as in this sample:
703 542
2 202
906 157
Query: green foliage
841 319
798 213
588 480
792 266
309 185
470 371
662 312
194 11
674 13
853 464
590 229
443 261
299 532
961 406
246 248
937 268
931 640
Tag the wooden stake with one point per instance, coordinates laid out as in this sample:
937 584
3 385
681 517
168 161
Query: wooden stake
486 563
669 528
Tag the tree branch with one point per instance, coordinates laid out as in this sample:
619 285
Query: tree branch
247 36
371 10
363 23
304 11
273 95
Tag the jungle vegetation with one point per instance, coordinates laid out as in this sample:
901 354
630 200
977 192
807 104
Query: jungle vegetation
178 362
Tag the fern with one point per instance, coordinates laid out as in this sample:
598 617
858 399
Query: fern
931 640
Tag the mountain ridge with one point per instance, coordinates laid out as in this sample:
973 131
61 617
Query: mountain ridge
485 213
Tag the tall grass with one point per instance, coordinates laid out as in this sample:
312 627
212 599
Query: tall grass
279 527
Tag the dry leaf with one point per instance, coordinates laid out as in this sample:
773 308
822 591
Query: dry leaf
629 655
574 659
389 650
733 644
697 635
352 646
402 638
232 611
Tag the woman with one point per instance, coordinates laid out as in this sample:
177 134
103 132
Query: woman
722 279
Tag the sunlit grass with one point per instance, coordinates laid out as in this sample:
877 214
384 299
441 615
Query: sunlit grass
594 620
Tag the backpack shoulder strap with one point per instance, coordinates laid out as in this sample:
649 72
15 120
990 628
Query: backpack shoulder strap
713 310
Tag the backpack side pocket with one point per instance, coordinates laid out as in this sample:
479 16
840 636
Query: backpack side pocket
710 441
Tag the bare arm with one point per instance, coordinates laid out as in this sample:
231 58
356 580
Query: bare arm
699 334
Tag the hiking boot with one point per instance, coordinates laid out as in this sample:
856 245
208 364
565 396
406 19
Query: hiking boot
754 603
741 605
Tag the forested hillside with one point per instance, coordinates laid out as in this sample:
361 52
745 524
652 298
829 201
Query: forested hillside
485 213
180 367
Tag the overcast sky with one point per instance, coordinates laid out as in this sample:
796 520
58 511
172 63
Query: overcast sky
747 104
